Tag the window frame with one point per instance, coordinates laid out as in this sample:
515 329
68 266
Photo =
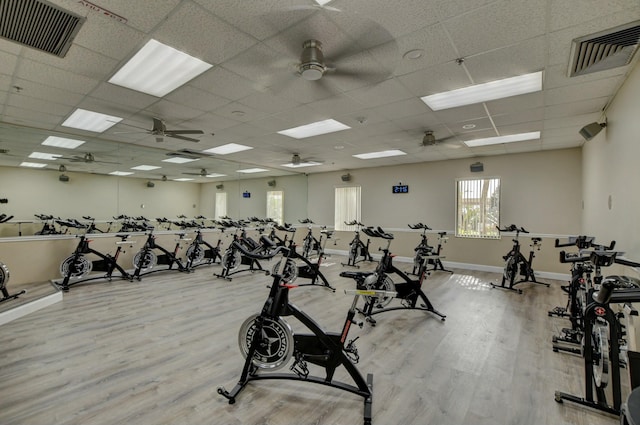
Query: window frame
344 212
490 226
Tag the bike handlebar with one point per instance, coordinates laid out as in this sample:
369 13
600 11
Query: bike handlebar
419 226
261 255
512 228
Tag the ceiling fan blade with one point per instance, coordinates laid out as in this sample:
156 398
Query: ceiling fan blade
189 139
158 125
168 132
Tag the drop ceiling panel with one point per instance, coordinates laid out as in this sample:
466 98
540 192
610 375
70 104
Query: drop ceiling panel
519 103
206 36
435 79
8 63
55 77
239 112
135 100
196 98
46 92
121 42
576 108
519 117
520 21
172 112
461 113
556 76
572 122
450 8
563 14
388 91
574 93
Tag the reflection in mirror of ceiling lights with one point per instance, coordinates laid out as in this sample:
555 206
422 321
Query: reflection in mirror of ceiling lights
213 175
227 149
302 164
158 69
62 142
120 173
90 121
180 160
521 137
252 170
485 92
182 179
380 154
33 164
314 129
43 155
145 167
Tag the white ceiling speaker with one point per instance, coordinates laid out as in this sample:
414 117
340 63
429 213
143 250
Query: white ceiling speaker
271 183
590 131
219 186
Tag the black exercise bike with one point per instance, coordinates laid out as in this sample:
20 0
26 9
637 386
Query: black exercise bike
76 268
268 343
603 335
409 291
4 279
146 259
357 248
516 263
233 256
309 244
201 252
425 252
299 266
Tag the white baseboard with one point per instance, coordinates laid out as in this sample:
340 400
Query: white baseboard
24 309
467 266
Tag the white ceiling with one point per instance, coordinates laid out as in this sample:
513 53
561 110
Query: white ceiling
251 93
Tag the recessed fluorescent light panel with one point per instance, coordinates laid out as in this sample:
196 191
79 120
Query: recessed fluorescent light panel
215 175
492 90
145 167
62 142
322 2
182 179
228 148
120 173
252 170
90 121
381 154
42 155
302 164
179 160
503 139
158 69
32 164
314 129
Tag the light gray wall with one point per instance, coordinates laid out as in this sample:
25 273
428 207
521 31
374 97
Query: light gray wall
611 164
540 191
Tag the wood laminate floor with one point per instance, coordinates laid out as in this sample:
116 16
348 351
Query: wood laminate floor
155 351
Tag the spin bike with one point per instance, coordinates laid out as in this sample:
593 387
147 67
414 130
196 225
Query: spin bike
233 257
514 261
309 243
268 343
308 269
424 251
75 268
570 339
602 336
357 248
4 279
409 291
146 258
201 249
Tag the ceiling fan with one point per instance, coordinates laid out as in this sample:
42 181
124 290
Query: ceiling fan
429 139
87 158
296 160
201 173
159 130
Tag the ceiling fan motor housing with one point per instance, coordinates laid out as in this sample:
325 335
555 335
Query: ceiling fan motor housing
312 61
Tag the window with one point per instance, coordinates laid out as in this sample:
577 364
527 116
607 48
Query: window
347 206
221 204
274 205
478 208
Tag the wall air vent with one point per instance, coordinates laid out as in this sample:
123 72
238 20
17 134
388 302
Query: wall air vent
604 50
38 24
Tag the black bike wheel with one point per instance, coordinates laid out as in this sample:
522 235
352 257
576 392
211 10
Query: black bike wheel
148 262
75 267
275 346
289 273
231 260
354 252
195 254
306 247
510 269
600 347
4 275
385 283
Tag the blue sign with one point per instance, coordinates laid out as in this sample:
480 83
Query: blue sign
246 194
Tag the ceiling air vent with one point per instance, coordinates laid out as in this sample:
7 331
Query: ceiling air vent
604 50
38 24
